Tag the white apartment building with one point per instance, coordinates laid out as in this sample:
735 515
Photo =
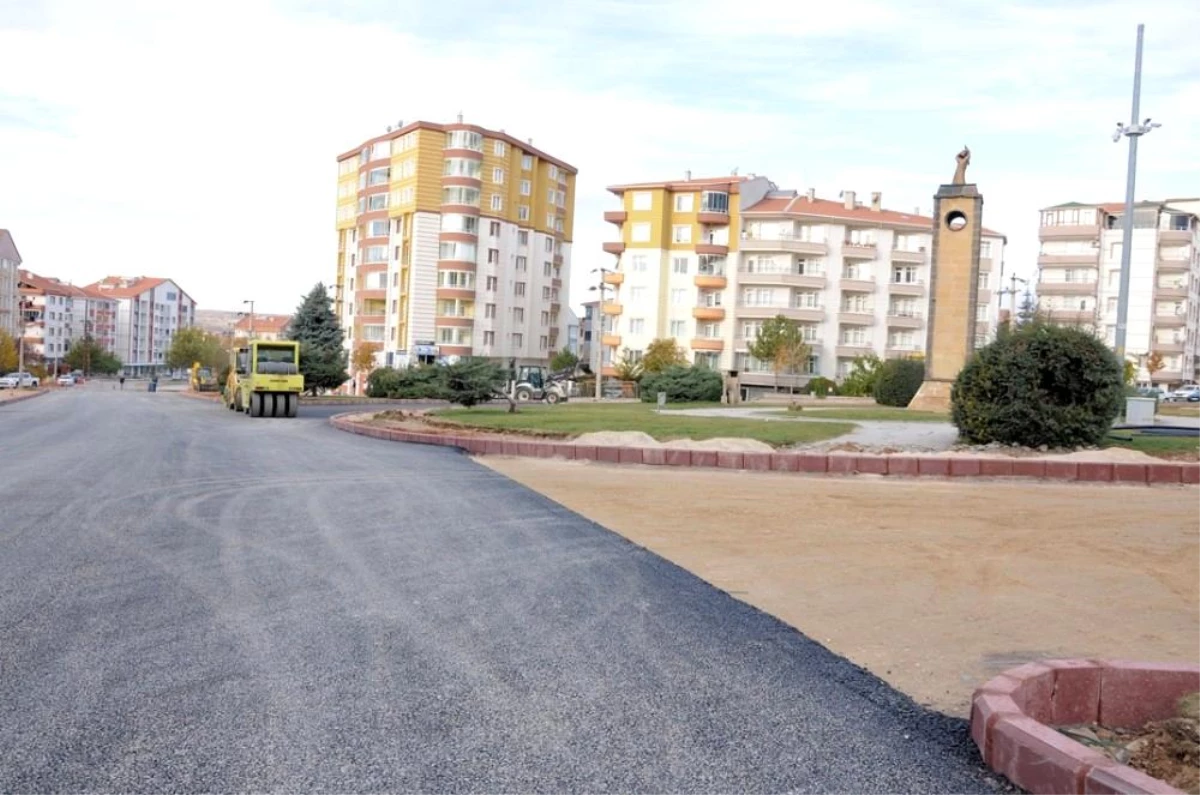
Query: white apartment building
149 313
56 315
10 295
707 261
1079 268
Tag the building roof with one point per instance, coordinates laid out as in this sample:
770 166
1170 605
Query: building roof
55 286
8 249
729 182
803 207
429 125
267 324
129 286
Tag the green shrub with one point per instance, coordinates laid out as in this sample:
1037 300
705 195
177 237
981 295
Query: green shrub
864 374
470 382
416 383
820 386
898 381
1039 385
683 385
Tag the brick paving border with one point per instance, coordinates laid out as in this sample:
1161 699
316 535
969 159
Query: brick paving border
1153 473
30 396
1011 718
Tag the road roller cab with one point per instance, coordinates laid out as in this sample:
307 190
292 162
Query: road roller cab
264 379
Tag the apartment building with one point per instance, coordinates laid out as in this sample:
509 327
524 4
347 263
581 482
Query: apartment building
10 296
1079 276
149 311
453 240
55 315
706 261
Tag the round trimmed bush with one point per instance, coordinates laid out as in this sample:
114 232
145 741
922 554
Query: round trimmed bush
1039 385
898 381
683 385
820 386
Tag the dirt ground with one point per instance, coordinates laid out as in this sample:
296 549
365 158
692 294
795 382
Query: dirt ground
933 586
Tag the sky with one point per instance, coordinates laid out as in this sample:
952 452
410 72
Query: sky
197 141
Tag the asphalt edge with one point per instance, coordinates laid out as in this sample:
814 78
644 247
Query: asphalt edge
30 396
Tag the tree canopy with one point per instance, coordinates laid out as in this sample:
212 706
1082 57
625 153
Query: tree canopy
663 354
323 360
8 352
780 342
191 345
88 355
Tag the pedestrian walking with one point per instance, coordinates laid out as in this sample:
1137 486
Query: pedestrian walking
122 380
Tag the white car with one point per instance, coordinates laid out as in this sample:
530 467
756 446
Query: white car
1190 393
19 381
66 380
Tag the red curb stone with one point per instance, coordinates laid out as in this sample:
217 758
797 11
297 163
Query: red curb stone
1029 468
585 453
678 458
1189 473
1164 473
1039 758
1062 470
1076 693
493 447
1132 693
871 464
965 467
903 465
527 449
1114 779
629 455
996 467
1094 471
785 462
730 460
566 451
508 448
757 462
546 449
654 456
986 709
841 464
1003 685
812 463
1129 473
704 458
609 455
928 465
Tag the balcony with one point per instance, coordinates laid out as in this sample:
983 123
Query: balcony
1067 288
374 295
1168 347
1091 258
1088 231
615 216
1085 317
905 320
612 308
712 217
614 278
983 295
900 255
1170 321
812 314
614 248
368 319
1171 291
906 288
852 349
712 248
712 281
453 293
814 280
856 284
1174 265
1175 236
858 316
611 340
903 351
708 312
782 244
708 344
859 250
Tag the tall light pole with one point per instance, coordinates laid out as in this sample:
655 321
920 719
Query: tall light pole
597 327
251 302
1132 131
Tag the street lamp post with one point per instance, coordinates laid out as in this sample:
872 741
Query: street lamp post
1132 131
251 302
597 327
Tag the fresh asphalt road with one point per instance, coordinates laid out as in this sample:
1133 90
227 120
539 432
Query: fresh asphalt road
193 600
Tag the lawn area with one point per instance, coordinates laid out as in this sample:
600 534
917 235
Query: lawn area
1179 410
573 419
870 413
1173 447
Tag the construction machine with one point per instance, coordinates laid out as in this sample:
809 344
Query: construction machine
264 379
533 382
203 379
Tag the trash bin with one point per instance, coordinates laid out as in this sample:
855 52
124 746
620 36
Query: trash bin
153 385
1139 410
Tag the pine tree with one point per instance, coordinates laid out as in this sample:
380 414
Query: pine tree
1027 311
323 360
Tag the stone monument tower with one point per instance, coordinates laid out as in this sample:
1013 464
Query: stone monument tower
953 275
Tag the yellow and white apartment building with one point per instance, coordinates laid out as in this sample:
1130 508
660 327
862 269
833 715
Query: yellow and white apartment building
453 240
706 261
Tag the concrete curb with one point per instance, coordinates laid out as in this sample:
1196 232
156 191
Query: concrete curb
1011 717
1167 472
30 396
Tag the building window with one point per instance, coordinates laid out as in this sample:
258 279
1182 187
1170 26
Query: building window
498 147
379 228
377 202
375 254
518 340
497 201
489 338
498 176
459 279
678 328
683 202
905 274
643 200
457 194
637 325
637 263
678 297
489 310
493 256
545 318
547 269
491 283
637 294
522 238
456 250
985 249
519 289
682 233
526 188
464 139
714 202
545 293
454 222
461 167
379 176
494 229
522 263
679 265
527 162
640 233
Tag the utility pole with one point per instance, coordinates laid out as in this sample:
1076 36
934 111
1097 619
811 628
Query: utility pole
251 302
597 326
1011 292
1132 131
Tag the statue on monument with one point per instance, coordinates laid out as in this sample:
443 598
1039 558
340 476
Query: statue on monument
964 160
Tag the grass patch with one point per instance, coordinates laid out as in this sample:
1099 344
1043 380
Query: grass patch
882 413
1176 448
573 419
1179 410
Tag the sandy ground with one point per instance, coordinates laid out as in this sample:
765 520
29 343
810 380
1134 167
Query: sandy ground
933 586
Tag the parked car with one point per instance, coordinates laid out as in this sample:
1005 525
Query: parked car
66 380
1190 393
19 381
